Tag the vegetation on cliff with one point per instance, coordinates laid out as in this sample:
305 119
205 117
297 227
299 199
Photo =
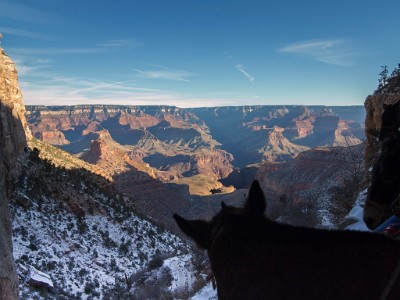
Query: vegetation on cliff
389 83
388 92
89 241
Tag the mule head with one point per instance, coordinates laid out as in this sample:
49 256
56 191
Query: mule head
202 232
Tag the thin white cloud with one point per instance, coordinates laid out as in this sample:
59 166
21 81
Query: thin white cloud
165 74
53 89
62 95
84 85
108 46
26 70
228 55
115 87
24 13
58 51
32 67
43 61
51 95
24 33
239 66
330 51
241 69
121 43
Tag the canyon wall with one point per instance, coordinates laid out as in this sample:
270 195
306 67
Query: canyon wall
323 181
166 142
374 109
13 134
253 134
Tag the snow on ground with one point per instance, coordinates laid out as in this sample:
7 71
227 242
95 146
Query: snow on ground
325 217
181 270
84 255
356 214
41 277
206 293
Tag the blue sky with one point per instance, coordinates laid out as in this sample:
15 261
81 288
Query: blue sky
192 53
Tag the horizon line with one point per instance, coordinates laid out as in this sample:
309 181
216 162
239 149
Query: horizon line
169 105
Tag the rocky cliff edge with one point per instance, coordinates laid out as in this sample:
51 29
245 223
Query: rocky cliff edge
374 108
13 141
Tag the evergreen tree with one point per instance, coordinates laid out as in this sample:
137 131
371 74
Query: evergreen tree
396 72
383 77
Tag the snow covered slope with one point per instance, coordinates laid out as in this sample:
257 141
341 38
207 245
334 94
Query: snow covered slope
87 243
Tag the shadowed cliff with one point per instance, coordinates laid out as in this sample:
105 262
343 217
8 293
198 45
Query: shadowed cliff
13 134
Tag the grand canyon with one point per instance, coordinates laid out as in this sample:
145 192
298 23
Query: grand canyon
116 116
172 144
90 182
149 151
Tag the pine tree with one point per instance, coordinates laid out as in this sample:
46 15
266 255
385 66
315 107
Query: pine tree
383 77
396 72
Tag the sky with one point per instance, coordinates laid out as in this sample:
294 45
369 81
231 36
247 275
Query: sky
192 53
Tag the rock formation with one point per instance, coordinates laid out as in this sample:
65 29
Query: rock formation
13 133
166 142
136 180
323 180
374 109
248 132
279 148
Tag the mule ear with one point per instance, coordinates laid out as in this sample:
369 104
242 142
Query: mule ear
197 230
256 200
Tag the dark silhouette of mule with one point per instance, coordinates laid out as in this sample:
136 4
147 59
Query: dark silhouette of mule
256 258
385 183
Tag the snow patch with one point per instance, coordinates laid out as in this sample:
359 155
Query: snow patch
40 277
356 213
206 293
84 256
181 271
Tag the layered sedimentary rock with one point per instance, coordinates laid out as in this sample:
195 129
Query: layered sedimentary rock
253 133
136 180
171 142
321 178
13 133
279 148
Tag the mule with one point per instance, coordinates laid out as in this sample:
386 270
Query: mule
384 189
253 257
